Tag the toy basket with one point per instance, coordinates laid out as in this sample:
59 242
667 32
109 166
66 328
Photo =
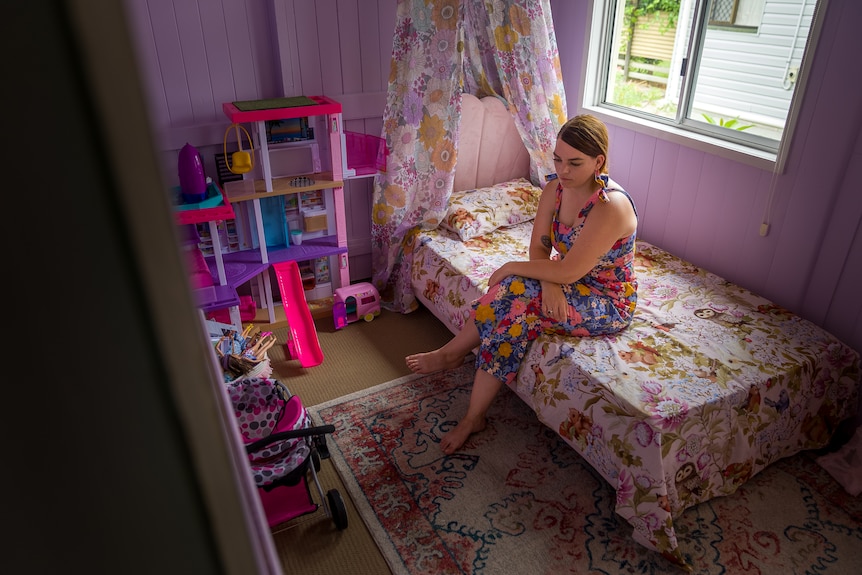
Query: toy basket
245 355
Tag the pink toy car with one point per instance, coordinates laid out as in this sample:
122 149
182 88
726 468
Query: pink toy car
353 302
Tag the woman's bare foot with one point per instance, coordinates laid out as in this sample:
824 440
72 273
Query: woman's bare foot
432 361
453 440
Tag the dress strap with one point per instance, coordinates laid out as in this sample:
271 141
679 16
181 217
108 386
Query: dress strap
558 200
599 195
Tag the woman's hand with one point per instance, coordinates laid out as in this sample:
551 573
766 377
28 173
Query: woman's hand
554 304
499 275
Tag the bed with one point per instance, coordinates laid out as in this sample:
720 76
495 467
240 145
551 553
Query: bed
709 385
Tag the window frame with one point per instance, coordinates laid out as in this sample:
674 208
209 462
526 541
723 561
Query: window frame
689 133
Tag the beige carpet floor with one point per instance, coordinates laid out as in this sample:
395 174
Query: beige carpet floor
361 355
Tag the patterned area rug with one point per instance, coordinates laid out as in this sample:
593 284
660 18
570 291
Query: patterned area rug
516 499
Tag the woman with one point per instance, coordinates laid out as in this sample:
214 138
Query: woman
585 287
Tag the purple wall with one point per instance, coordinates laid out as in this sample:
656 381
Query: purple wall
708 209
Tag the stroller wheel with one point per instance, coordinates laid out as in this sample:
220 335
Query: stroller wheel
322 448
337 508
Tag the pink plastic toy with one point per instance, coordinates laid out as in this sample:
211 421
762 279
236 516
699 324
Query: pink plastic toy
282 461
199 272
303 343
353 302
247 311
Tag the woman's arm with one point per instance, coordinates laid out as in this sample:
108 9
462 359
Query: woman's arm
607 223
553 297
540 240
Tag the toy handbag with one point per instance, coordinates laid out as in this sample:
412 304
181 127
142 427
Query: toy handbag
241 161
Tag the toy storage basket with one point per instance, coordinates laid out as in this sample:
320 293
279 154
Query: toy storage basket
244 355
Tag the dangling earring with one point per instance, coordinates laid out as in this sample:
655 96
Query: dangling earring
601 179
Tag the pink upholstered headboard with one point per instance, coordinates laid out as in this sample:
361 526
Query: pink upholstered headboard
490 149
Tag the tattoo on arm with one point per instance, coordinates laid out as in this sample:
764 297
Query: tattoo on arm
546 241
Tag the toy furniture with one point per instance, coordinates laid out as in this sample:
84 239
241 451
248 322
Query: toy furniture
353 302
273 245
267 233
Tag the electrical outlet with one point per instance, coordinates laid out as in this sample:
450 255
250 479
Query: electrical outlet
793 74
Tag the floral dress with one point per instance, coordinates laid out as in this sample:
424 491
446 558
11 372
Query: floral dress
510 315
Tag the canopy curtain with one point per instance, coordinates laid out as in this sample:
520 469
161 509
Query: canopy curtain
442 48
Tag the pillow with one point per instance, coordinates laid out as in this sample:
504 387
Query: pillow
473 213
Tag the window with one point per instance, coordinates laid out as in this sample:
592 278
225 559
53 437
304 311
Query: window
737 13
723 11
722 73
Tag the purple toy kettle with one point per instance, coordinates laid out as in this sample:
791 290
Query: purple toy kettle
193 184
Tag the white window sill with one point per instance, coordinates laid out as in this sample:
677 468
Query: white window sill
730 150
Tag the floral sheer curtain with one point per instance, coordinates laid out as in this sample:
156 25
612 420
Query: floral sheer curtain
442 48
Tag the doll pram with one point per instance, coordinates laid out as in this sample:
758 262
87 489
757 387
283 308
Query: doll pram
283 450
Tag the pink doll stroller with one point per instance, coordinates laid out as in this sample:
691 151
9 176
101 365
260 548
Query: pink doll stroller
283 450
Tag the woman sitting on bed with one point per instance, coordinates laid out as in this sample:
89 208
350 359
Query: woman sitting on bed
579 281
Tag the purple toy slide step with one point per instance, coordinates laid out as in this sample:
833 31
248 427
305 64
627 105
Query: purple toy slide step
303 344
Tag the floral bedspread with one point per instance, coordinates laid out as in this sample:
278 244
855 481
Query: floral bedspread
708 386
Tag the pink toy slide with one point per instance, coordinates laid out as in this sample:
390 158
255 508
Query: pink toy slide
303 344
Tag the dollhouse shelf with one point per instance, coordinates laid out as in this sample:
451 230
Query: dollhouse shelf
241 190
216 297
237 271
188 214
243 265
364 155
220 295
322 105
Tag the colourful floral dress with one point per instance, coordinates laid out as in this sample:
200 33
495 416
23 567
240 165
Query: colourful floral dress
510 315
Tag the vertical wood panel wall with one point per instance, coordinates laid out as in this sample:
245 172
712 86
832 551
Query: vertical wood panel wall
707 209
196 54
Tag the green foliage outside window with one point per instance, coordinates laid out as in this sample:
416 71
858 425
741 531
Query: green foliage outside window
666 10
637 8
730 123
